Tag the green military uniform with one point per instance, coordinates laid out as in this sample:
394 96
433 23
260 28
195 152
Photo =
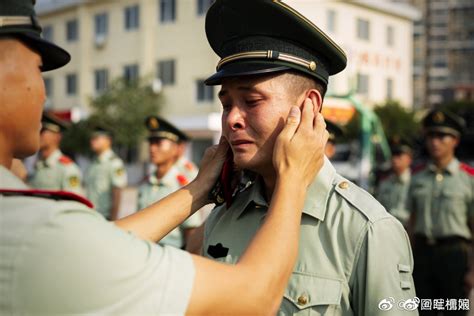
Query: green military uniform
393 190
106 172
352 253
187 167
57 172
61 258
154 189
442 202
392 194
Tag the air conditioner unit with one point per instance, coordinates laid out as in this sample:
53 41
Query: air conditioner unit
100 40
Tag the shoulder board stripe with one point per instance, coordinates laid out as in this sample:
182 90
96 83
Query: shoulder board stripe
47 194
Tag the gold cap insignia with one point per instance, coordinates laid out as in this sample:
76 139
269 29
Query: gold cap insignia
153 123
438 117
73 181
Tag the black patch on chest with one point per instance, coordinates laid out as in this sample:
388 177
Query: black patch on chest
217 251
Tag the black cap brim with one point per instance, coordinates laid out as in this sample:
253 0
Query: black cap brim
53 56
244 69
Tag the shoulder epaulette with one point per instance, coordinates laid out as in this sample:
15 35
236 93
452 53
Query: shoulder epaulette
418 168
189 166
65 160
182 179
360 199
48 194
467 169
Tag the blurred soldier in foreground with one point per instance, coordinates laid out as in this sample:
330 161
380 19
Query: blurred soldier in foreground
164 139
54 170
441 202
393 190
106 176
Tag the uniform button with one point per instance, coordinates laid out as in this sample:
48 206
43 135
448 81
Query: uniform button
344 185
439 177
302 300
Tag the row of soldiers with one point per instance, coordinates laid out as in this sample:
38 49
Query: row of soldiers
435 203
106 176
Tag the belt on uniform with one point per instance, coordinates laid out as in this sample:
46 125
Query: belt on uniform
440 241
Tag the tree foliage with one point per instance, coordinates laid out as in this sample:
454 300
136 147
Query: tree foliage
122 109
397 120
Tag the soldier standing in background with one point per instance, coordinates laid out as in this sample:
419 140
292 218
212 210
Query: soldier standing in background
106 177
441 202
393 190
335 131
186 166
164 139
54 170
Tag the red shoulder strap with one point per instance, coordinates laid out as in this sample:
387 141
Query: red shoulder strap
65 160
418 168
48 194
182 179
467 169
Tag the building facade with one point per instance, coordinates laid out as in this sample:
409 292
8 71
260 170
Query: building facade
443 50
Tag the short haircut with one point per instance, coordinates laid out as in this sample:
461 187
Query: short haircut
300 83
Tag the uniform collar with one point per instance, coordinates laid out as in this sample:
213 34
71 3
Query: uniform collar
9 181
168 180
451 168
53 158
404 177
106 155
316 197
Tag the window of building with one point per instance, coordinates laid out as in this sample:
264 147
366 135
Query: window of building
203 6
389 89
331 20
72 30
71 84
101 80
362 84
390 36
204 93
48 33
132 17
363 29
167 11
48 87
131 73
166 72
101 24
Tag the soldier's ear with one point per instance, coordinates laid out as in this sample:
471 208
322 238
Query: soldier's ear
316 98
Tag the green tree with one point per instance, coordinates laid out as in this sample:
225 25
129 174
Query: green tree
397 120
122 108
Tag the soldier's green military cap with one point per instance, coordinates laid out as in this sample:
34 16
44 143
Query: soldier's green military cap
263 36
334 130
445 122
51 122
400 145
18 20
160 128
101 130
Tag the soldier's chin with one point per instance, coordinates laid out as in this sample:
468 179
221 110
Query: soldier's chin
26 149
